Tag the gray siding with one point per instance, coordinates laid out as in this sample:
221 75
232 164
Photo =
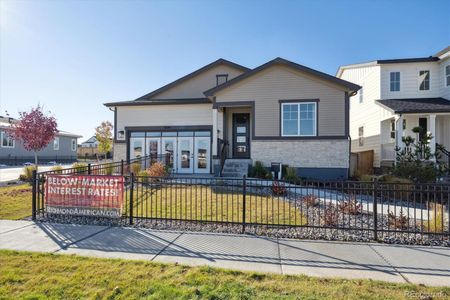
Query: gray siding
19 152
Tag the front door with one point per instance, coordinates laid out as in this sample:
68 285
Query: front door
202 153
169 151
241 135
185 162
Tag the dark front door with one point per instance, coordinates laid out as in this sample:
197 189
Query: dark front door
241 135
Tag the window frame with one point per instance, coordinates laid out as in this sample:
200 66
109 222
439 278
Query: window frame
395 81
447 76
54 145
221 76
361 95
429 80
74 145
298 103
8 139
361 136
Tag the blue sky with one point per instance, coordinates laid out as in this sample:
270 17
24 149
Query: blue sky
72 56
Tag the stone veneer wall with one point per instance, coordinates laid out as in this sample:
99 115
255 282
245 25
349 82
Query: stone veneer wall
303 153
120 151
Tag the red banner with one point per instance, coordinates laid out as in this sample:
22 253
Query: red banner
86 195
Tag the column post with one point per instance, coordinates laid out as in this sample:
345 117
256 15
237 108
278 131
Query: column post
432 122
399 131
214 131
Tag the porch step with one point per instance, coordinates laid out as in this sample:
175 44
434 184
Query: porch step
236 167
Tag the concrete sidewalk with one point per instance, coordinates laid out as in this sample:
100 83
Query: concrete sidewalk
415 264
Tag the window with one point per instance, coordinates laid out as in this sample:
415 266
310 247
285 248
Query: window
447 75
56 143
424 80
74 145
7 141
395 81
361 95
299 119
221 78
393 129
361 136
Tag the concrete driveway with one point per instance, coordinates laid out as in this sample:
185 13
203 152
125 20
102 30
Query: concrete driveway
413 264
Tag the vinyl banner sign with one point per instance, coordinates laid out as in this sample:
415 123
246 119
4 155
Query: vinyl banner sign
84 195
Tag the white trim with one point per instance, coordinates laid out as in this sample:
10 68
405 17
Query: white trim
56 146
9 138
298 119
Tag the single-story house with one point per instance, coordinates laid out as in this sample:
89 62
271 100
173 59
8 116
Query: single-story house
62 149
225 113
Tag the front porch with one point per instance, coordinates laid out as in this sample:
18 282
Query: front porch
402 125
232 133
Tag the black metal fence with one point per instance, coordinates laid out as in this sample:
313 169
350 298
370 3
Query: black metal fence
392 212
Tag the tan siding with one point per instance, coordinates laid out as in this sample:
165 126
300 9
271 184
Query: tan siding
164 115
194 87
283 83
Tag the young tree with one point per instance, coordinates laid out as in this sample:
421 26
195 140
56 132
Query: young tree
103 133
35 129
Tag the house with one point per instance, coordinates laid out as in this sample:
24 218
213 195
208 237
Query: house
398 95
225 114
89 149
62 149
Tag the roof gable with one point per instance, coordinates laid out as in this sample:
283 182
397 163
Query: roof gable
194 89
283 62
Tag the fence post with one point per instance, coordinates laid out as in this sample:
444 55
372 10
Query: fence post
375 210
244 194
89 169
131 197
121 167
33 197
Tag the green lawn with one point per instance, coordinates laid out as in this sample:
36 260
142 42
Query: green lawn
27 275
198 202
15 202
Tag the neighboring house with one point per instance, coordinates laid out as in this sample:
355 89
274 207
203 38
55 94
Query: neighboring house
89 148
62 149
279 112
396 96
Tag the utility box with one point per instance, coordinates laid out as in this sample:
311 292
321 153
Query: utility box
275 168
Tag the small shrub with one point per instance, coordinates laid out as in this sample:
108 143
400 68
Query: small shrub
157 169
27 173
57 169
80 168
136 167
109 169
142 176
366 178
350 205
259 171
291 175
310 200
278 189
436 221
400 222
330 217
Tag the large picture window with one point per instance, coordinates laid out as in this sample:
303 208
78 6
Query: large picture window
299 119
7 141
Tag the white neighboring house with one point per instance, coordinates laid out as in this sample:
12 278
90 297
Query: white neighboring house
396 96
90 143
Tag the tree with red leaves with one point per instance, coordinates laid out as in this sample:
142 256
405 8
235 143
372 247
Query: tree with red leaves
35 129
